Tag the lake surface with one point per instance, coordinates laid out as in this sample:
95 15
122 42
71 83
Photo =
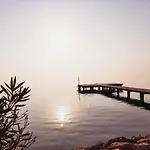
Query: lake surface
62 121
50 43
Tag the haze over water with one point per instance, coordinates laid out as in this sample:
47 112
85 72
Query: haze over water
49 44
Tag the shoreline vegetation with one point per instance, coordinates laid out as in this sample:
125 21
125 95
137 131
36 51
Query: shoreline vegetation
13 121
121 143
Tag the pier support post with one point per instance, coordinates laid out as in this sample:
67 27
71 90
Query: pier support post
113 90
79 88
142 97
83 89
91 88
128 95
118 92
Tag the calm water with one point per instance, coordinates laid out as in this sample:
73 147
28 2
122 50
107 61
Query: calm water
49 43
62 121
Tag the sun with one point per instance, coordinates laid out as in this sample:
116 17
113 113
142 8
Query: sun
59 40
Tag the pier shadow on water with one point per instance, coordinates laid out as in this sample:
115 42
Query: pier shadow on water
131 101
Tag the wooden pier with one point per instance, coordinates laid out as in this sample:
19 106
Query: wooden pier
111 88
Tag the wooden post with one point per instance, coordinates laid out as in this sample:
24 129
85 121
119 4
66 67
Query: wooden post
118 92
111 89
79 88
142 97
128 95
91 88
83 88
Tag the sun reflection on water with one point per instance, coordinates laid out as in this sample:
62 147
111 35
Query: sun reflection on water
63 115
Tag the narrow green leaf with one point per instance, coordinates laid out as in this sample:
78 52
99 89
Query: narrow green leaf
5 90
27 91
11 83
7 85
14 131
15 81
21 145
26 96
23 100
1 91
26 134
10 117
27 138
20 105
18 127
19 85
15 124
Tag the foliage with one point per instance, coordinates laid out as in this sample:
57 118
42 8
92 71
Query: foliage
12 122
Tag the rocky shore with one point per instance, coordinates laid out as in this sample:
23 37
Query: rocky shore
122 143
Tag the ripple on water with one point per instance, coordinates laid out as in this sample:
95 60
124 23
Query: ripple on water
85 122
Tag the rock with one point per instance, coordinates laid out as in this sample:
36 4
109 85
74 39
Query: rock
147 136
142 146
147 140
119 139
98 146
82 148
137 138
122 146
122 143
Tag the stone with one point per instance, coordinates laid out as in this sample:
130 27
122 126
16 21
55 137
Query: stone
82 148
147 140
147 136
137 138
122 143
98 146
119 139
122 146
142 146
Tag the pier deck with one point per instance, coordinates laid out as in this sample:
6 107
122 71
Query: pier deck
110 88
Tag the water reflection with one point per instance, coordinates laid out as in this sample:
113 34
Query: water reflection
63 115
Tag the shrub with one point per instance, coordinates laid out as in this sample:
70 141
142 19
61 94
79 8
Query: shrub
13 123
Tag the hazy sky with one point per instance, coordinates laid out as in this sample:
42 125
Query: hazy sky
55 41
